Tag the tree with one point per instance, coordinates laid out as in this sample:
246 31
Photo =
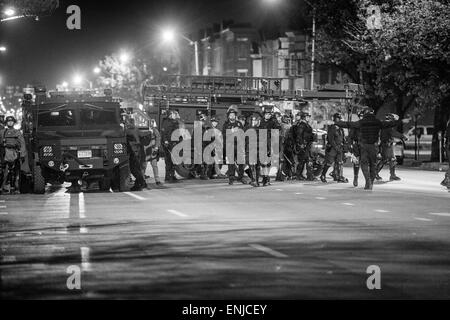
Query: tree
406 60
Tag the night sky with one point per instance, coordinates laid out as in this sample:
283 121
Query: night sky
46 51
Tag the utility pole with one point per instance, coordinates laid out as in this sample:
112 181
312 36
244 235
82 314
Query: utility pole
313 47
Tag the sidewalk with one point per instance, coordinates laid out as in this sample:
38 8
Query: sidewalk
422 165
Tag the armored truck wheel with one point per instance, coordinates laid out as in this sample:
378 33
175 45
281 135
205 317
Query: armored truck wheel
105 184
38 180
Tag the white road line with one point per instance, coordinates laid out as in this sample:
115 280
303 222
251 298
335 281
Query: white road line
423 219
3 213
62 231
320 198
440 214
9 259
178 213
298 193
347 204
81 207
2 201
279 189
2 207
85 264
83 230
268 251
135 196
382 211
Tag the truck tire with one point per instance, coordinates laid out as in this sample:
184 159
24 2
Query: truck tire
25 183
105 184
38 180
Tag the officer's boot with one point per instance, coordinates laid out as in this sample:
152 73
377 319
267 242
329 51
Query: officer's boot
249 173
309 171
323 176
255 182
341 177
379 166
204 172
366 173
355 175
300 169
393 177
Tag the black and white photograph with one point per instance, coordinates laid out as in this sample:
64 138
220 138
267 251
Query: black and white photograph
224 154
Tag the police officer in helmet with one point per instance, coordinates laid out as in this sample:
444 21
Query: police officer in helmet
12 153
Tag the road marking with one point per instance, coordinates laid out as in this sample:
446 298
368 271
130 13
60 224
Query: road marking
440 214
347 204
135 196
279 189
382 211
85 264
63 231
298 193
9 259
423 219
320 198
2 201
83 230
3 213
268 251
2 207
178 213
81 207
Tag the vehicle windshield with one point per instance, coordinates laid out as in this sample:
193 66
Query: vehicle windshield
92 117
62 118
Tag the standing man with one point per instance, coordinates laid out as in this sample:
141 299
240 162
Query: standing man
254 163
134 149
169 126
269 123
387 149
335 151
303 139
446 181
12 153
370 128
286 147
152 150
355 149
217 162
233 125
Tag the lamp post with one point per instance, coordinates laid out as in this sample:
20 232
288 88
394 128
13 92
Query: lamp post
169 36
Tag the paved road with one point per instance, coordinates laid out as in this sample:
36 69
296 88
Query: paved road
208 240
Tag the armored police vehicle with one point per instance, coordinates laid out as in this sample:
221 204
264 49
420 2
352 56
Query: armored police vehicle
73 136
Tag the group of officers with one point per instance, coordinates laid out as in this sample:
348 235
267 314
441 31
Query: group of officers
369 145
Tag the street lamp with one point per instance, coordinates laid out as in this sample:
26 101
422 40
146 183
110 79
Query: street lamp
78 80
169 35
97 70
3 49
124 57
9 12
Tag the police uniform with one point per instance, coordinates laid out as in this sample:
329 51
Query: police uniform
387 150
286 147
370 128
250 149
168 127
135 151
303 138
152 151
334 151
233 126
12 153
354 137
447 148
269 125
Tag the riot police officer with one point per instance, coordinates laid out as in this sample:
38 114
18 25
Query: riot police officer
387 149
170 124
253 162
269 123
12 153
446 181
232 124
370 128
135 151
303 138
286 147
354 137
334 151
